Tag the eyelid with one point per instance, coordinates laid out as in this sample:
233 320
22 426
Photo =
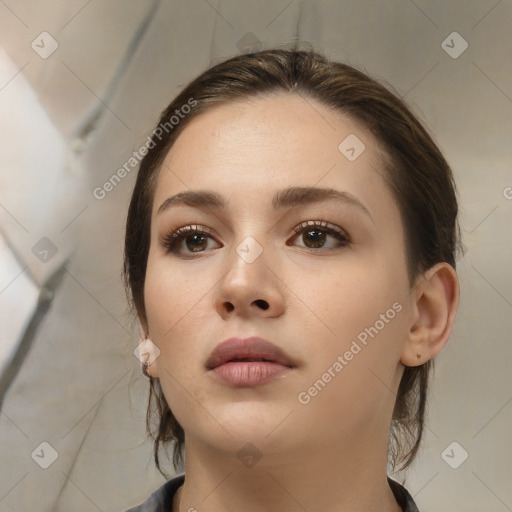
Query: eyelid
167 238
322 224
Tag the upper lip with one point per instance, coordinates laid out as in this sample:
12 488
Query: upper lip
248 348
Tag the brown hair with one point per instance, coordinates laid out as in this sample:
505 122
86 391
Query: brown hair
414 168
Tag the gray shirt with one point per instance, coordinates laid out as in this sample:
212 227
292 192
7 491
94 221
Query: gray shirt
161 499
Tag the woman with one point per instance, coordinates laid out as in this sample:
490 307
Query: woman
290 251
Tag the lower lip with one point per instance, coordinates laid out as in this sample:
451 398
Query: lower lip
249 373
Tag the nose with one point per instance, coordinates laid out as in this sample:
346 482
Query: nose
250 289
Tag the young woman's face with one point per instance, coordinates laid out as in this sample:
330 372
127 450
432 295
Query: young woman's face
340 308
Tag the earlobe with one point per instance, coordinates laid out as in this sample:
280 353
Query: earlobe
148 354
148 351
435 308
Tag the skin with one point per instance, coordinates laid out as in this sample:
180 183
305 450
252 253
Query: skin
330 454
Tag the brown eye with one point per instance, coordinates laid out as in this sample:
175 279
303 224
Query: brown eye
194 237
315 234
196 242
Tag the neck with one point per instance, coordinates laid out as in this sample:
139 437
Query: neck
341 478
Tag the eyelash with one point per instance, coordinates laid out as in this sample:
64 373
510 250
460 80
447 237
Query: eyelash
172 239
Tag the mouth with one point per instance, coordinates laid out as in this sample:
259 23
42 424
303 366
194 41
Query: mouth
248 362
247 350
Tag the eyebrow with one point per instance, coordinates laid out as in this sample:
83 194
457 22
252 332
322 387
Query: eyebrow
287 198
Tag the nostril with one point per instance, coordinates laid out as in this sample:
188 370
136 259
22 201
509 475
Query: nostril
263 304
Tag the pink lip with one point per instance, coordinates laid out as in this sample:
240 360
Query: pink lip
225 361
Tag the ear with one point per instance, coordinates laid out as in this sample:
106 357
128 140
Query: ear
436 300
148 351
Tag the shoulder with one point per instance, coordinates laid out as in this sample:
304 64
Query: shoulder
161 499
403 497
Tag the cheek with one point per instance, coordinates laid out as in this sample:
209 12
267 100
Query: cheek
179 311
348 296
352 376
170 293
175 304
360 315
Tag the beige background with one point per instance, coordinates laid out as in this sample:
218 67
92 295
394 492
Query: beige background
70 120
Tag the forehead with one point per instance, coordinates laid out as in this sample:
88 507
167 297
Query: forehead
248 149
